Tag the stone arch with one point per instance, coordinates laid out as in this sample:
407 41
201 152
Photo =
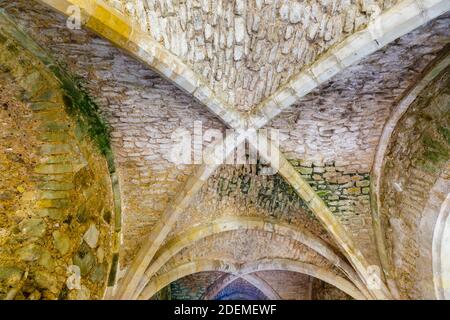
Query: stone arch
221 225
429 74
415 158
433 233
397 21
241 289
253 279
262 265
68 203
127 34
400 19
114 26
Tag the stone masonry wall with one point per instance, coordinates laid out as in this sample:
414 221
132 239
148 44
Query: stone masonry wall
417 155
240 289
245 50
193 286
323 291
346 193
246 246
341 121
328 129
56 198
242 191
288 285
141 108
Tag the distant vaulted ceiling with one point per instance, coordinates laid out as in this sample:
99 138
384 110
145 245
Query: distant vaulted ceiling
356 206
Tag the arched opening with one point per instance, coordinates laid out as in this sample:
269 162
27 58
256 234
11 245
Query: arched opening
271 285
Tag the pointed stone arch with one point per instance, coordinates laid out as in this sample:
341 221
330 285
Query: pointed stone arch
189 237
262 265
400 19
228 279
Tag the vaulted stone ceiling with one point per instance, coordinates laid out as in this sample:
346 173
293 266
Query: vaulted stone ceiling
246 51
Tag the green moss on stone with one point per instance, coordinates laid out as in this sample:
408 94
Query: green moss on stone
434 150
445 132
84 258
77 101
10 274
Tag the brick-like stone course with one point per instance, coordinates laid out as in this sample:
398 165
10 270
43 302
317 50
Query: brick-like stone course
194 286
288 285
141 108
417 155
247 246
324 291
54 183
334 130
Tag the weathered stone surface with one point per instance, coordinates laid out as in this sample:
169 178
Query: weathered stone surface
46 280
264 58
248 194
33 227
84 259
46 260
35 295
324 291
10 275
54 168
341 121
245 50
56 186
91 236
83 294
52 213
98 273
42 152
29 252
417 158
100 254
61 242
